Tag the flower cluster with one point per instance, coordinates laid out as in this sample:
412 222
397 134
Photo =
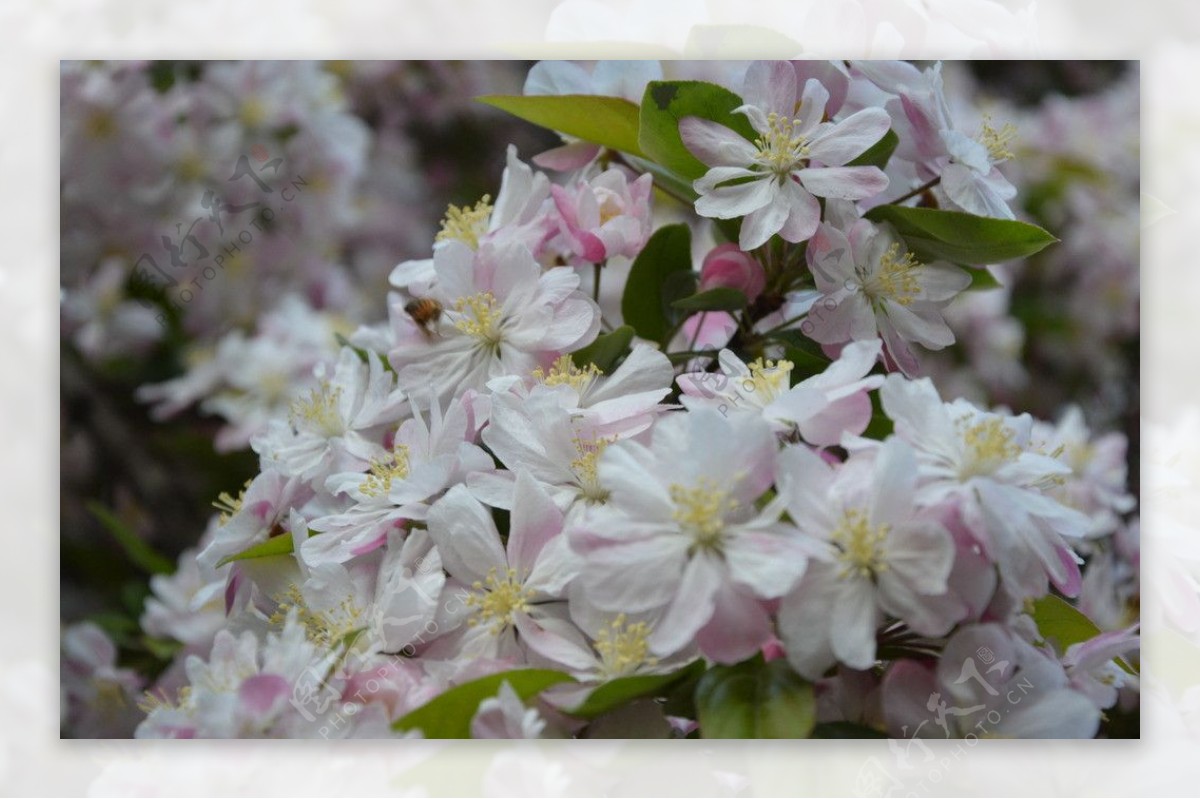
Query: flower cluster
573 455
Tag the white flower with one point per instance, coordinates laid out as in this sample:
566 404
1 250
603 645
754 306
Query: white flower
772 181
882 558
983 462
820 408
872 286
505 716
500 314
339 425
681 534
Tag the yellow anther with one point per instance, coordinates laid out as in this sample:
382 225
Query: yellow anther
860 545
496 600
622 648
479 317
564 372
997 141
701 511
989 446
782 148
767 379
378 481
466 223
895 277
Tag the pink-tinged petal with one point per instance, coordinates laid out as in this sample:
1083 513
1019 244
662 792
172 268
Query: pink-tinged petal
1073 583
728 202
565 204
906 689
635 576
762 224
926 328
738 629
466 536
804 480
940 281
812 106
691 607
804 213
849 414
551 646
853 620
846 140
830 258
830 74
575 155
771 85
926 127
715 144
840 317
804 623
261 693
844 182
898 355
894 481
972 193
535 520
766 564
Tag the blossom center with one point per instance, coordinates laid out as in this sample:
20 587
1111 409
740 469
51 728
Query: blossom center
378 481
767 379
466 223
586 469
319 411
861 545
622 647
701 511
497 599
782 148
989 446
998 141
564 372
229 505
895 277
479 317
326 628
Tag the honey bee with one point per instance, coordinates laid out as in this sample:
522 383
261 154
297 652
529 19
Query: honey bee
424 312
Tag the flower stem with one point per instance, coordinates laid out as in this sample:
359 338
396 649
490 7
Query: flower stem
918 190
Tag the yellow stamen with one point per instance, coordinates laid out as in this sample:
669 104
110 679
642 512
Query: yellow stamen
466 223
701 511
782 148
989 446
564 372
229 505
767 379
997 141
319 409
622 648
378 481
497 600
861 545
325 628
895 277
586 465
479 317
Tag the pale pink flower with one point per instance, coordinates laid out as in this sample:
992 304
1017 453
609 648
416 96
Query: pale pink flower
728 266
603 217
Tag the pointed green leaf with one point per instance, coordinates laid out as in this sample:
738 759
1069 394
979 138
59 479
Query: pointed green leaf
608 121
662 267
605 350
623 690
276 545
983 279
668 101
717 299
935 235
449 714
879 152
755 700
1062 624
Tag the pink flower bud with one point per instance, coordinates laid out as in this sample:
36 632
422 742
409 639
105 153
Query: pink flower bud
728 266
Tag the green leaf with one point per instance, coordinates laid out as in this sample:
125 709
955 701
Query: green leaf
605 350
647 291
881 425
879 152
983 279
935 235
1062 624
276 545
623 690
138 551
845 729
717 299
666 102
608 121
449 714
755 700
